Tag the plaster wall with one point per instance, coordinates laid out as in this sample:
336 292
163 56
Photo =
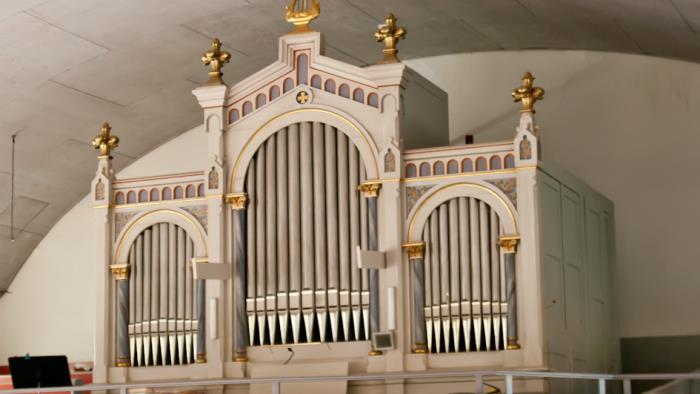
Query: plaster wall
622 123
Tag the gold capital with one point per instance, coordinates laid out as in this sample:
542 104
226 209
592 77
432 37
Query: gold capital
415 250
509 243
104 141
201 358
123 362
302 17
370 188
420 348
120 271
215 58
527 94
390 34
237 200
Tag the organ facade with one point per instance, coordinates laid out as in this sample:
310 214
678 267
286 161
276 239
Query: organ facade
333 211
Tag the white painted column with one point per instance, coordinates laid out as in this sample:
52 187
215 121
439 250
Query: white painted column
212 99
528 259
102 200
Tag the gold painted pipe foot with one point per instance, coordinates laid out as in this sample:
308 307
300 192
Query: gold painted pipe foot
513 344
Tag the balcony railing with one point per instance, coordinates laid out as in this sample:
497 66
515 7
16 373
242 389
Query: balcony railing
476 381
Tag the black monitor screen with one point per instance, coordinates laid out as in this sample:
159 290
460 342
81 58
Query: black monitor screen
41 371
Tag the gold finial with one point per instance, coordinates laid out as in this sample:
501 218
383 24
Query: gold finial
528 95
301 18
104 141
390 34
215 58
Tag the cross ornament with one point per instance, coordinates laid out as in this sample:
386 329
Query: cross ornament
215 58
302 97
527 94
390 35
105 142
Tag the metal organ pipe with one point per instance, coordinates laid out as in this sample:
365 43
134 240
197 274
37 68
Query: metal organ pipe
306 174
294 211
260 243
271 237
343 197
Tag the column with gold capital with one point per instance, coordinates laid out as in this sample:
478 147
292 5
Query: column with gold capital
370 190
238 203
416 257
121 275
509 246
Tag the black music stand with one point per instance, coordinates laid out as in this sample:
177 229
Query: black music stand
40 371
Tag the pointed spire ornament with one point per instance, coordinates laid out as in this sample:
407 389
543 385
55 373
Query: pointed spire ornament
215 58
390 34
302 17
105 142
527 95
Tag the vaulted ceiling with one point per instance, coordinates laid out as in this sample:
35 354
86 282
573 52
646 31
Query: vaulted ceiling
68 65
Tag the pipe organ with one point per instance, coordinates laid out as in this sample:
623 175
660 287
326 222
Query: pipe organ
483 256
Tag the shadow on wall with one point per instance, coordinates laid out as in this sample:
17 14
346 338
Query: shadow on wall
675 354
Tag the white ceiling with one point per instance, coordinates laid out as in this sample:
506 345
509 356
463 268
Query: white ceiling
68 65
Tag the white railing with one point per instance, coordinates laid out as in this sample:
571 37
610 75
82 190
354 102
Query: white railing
678 386
477 376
